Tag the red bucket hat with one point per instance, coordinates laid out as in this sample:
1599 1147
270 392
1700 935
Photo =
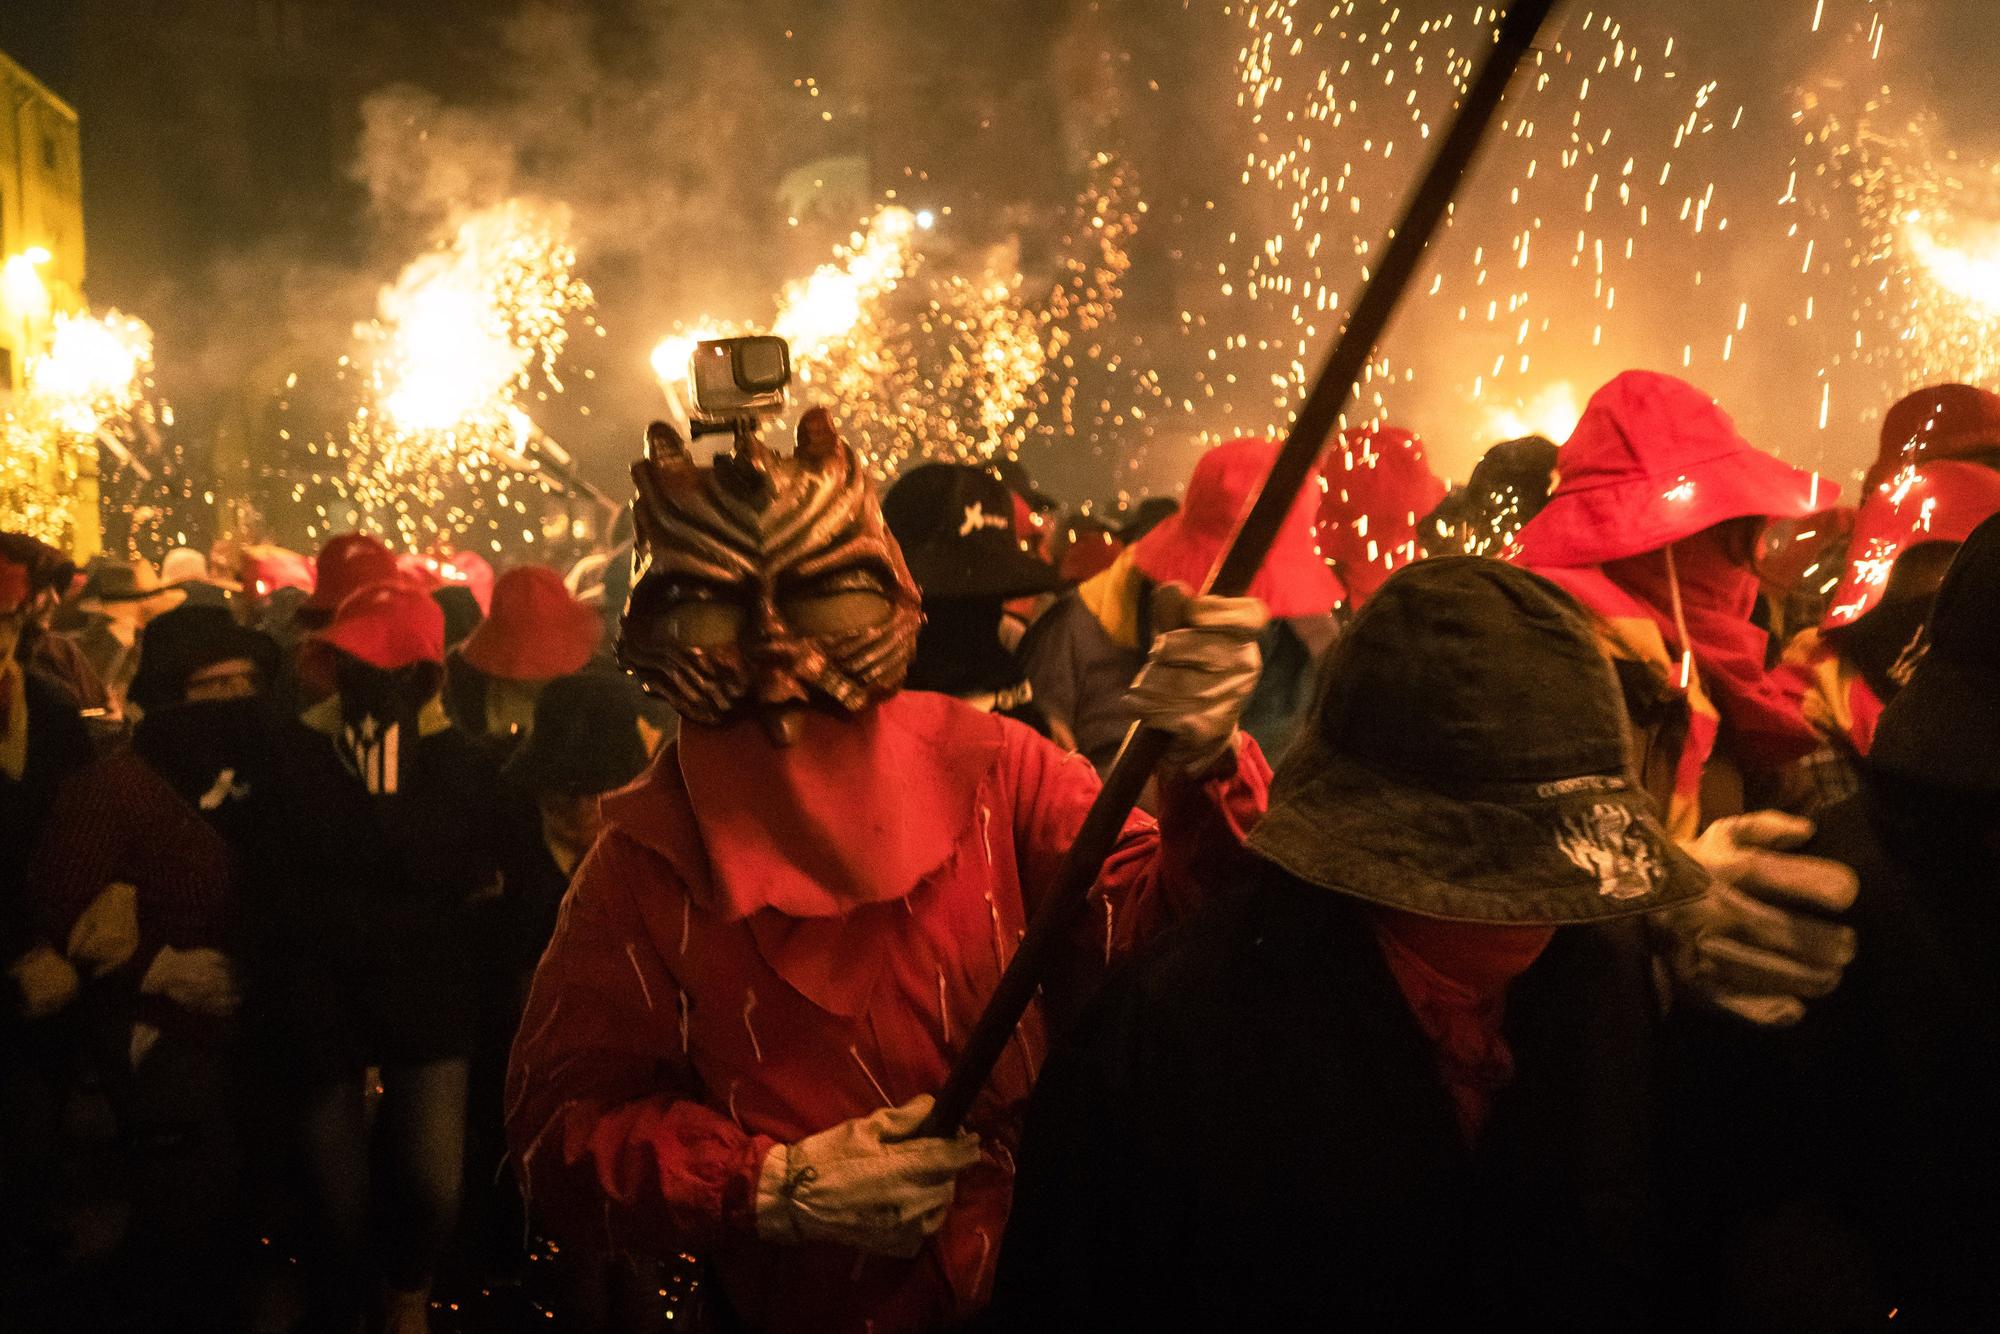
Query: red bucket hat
535 631
347 563
1654 460
1940 421
266 569
390 625
1379 487
1924 502
1293 580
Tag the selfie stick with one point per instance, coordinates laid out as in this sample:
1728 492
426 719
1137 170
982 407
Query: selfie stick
1054 925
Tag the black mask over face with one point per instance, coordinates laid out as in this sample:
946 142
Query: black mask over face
378 718
219 755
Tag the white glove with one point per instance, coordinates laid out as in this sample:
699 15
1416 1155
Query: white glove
1760 944
860 1184
202 980
46 981
107 935
1198 679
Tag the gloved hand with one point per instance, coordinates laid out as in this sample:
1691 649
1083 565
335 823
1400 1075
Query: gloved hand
200 979
860 1184
1199 677
1760 944
107 935
45 979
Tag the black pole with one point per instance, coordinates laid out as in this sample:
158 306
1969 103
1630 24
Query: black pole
1066 898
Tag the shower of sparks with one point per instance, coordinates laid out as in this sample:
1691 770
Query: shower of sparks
1599 184
442 444
922 362
85 397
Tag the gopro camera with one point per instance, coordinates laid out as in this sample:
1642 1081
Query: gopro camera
740 377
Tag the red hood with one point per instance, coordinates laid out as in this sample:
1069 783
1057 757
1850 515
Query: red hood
1654 460
1919 503
1940 421
1379 487
1293 581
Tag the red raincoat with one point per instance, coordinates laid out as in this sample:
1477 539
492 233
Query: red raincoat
681 1024
1653 464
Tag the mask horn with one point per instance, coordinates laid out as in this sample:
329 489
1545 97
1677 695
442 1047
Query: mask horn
664 445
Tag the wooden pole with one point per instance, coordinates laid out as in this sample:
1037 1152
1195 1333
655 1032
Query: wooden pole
1064 902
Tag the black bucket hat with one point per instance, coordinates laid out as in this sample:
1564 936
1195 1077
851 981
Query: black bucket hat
586 737
1467 759
955 524
176 645
1943 728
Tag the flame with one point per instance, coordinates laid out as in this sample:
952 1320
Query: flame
1551 414
94 370
461 337
1968 270
815 311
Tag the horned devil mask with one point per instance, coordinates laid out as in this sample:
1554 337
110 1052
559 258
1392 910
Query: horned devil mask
765 585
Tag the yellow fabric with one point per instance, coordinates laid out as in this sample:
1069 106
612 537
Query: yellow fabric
1112 595
324 717
14 739
1828 702
1638 639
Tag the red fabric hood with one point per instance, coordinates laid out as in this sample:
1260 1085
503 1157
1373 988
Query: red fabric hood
349 562
1940 421
535 631
1921 502
1654 460
390 625
857 810
1379 487
1294 580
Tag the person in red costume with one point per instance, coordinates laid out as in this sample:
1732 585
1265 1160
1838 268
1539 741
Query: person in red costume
1654 528
1379 487
793 919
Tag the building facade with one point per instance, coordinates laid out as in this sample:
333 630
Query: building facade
41 216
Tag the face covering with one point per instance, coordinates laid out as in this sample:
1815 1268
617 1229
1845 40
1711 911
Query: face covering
1716 593
378 718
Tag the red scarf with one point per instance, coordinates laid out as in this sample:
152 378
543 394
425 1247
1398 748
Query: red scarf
1767 725
1454 976
857 810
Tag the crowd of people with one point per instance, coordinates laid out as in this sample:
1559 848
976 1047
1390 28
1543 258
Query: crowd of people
1566 900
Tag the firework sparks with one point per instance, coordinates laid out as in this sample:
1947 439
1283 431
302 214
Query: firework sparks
438 445
86 390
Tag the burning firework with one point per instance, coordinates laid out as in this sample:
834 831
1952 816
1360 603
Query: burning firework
441 443
85 394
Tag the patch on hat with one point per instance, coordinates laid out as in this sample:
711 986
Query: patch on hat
1608 842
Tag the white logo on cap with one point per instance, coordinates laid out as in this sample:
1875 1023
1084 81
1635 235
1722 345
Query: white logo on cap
1605 842
977 518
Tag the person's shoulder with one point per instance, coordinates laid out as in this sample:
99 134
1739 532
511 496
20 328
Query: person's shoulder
1252 928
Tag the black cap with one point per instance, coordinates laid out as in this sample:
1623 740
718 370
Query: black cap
586 737
1468 759
955 524
176 645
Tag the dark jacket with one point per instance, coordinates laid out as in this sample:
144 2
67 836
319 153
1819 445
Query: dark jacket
370 942
1848 1165
1249 1132
57 747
